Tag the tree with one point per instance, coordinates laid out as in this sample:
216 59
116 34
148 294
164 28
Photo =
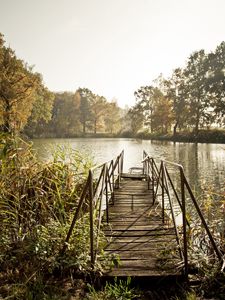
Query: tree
17 90
163 116
85 110
23 96
136 117
155 108
98 105
175 89
197 95
41 112
216 81
66 115
112 117
145 99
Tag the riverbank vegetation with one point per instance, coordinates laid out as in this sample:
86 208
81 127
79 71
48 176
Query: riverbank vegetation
188 106
37 204
202 136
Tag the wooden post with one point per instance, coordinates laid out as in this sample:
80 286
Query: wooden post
106 194
76 215
163 188
91 211
119 170
184 223
153 181
122 157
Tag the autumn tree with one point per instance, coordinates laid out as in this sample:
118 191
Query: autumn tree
17 90
145 104
136 118
98 109
162 117
112 117
22 92
153 109
65 115
86 96
41 113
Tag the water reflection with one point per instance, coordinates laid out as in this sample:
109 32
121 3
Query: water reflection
203 163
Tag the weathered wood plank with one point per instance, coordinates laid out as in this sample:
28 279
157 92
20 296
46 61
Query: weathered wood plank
137 246
137 234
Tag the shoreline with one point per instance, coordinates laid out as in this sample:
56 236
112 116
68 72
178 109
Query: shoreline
209 137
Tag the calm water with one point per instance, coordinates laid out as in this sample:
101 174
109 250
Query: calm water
204 164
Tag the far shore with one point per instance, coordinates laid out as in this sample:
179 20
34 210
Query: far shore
203 136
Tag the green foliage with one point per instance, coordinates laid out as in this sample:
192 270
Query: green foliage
193 98
37 205
202 254
152 109
74 114
22 92
119 290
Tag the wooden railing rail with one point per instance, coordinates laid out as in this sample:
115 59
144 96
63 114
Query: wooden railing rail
159 177
96 195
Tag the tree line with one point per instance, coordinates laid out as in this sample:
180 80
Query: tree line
26 104
192 98
76 114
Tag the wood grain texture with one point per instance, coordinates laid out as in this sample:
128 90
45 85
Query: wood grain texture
145 246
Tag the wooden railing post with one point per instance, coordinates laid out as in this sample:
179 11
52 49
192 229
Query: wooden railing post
172 211
91 218
122 158
163 189
119 170
113 182
76 215
106 194
162 176
184 222
217 251
153 180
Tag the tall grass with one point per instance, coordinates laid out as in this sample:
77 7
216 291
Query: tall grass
201 252
37 203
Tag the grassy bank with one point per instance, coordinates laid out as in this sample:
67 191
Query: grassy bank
203 136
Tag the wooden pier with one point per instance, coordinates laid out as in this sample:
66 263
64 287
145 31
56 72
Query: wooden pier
138 213
145 245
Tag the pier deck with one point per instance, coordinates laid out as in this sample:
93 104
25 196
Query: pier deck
136 233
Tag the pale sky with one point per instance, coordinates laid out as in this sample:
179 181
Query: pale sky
109 46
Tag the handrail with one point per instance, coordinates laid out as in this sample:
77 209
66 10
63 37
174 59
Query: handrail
95 189
161 177
100 188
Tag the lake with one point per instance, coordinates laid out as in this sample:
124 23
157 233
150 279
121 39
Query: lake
204 164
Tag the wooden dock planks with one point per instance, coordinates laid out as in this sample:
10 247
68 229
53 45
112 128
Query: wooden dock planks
136 233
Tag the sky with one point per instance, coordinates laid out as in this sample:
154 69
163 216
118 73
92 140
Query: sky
112 47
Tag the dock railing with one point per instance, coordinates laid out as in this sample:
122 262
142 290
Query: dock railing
162 184
98 191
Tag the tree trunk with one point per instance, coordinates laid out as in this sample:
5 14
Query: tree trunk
197 121
84 127
175 128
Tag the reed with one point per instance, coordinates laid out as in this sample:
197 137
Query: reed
37 203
